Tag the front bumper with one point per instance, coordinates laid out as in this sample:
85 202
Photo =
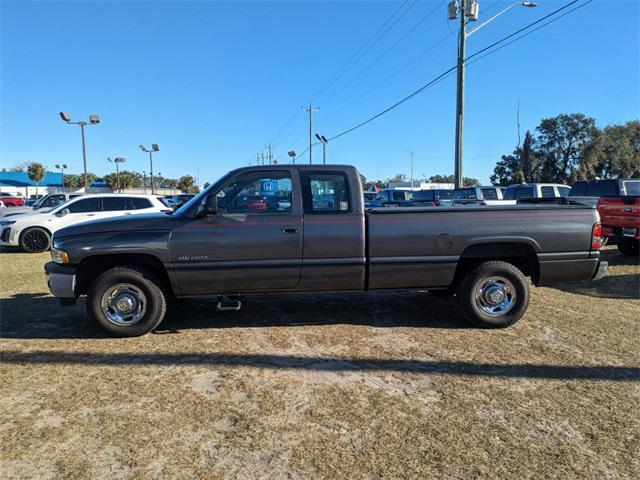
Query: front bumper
61 280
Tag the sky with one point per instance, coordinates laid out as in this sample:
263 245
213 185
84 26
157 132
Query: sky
214 82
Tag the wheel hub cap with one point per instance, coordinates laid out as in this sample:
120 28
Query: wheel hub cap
124 304
496 296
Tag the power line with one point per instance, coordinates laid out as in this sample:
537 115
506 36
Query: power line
389 77
368 45
366 69
449 71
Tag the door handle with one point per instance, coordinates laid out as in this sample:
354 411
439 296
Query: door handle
290 230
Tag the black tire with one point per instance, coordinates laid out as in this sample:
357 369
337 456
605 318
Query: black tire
35 240
629 247
502 277
140 284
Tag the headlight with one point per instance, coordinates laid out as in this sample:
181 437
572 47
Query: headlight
59 256
6 223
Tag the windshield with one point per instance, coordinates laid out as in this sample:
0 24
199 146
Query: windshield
632 187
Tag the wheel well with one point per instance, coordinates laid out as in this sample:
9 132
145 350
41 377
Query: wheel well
37 226
520 255
92 267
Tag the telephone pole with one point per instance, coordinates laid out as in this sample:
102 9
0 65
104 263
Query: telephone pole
311 110
460 95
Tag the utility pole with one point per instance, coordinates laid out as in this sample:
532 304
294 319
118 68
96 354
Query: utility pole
469 11
458 182
324 140
311 110
270 155
93 120
412 158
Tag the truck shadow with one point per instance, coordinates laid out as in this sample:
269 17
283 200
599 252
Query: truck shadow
39 316
619 287
331 364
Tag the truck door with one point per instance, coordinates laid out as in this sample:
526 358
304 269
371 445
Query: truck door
253 243
334 232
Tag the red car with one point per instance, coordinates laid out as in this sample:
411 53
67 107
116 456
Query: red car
620 217
11 201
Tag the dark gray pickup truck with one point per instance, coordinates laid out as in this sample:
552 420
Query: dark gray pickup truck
304 229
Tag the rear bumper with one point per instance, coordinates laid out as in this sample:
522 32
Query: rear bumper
567 271
61 281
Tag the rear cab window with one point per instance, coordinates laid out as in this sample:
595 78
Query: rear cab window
489 194
325 192
631 187
465 194
548 192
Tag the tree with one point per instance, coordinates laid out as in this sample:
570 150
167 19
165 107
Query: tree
186 183
561 140
72 180
466 181
36 172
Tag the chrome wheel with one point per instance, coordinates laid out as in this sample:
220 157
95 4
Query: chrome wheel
124 304
496 296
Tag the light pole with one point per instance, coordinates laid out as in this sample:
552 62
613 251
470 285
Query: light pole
292 154
144 181
62 167
469 10
410 153
117 160
324 140
93 120
154 148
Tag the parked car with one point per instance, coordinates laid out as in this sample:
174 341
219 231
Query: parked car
434 197
487 195
389 197
12 200
207 248
43 203
620 217
589 191
32 232
536 190
176 201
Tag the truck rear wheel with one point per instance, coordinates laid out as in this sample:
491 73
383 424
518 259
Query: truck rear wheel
629 247
126 302
494 295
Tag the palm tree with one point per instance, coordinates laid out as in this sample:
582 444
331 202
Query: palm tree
36 173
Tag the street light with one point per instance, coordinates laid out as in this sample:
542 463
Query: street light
292 154
117 160
411 153
324 140
154 148
93 120
62 167
469 10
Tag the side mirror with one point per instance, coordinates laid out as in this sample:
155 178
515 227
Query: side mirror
64 212
209 206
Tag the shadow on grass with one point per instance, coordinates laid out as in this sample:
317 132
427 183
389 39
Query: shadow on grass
615 258
619 287
28 316
332 364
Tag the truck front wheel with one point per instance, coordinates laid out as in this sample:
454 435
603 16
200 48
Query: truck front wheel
494 295
126 302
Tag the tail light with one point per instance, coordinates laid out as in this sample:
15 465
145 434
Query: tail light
596 237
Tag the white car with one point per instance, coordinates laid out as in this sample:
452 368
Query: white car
33 232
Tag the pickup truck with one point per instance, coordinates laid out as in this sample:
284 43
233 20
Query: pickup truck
488 195
620 217
314 235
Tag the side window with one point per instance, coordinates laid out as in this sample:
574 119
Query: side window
136 203
547 192
112 204
564 191
53 201
489 194
326 192
86 205
257 193
524 192
398 196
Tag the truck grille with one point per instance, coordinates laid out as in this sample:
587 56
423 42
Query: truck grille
5 234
